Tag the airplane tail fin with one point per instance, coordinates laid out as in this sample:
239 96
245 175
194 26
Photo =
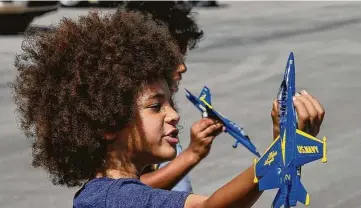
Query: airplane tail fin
205 96
280 199
300 194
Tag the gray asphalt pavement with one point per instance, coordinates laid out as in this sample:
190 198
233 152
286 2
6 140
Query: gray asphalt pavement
241 59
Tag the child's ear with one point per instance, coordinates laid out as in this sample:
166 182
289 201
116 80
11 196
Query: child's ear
109 135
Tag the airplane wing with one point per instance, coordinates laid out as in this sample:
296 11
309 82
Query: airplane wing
270 161
309 148
269 167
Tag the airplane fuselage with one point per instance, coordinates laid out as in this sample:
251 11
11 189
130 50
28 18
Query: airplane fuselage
280 166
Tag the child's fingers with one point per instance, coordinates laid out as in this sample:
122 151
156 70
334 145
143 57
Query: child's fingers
274 112
212 130
275 118
275 105
202 124
302 113
316 104
312 112
223 128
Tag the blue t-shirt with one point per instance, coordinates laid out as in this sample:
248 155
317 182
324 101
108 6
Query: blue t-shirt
126 193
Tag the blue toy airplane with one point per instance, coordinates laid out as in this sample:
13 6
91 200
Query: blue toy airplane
203 103
280 166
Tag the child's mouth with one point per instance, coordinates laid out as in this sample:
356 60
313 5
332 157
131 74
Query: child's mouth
172 137
172 140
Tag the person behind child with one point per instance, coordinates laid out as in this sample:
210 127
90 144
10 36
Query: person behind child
94 98
178 17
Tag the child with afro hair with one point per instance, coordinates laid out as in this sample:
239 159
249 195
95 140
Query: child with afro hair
94 98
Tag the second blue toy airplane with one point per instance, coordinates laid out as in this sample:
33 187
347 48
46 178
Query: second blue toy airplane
203 103
280 166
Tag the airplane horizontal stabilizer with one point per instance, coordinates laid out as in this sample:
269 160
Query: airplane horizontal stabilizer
308 148
300 194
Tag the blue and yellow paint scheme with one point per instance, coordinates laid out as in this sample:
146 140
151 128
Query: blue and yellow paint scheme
204 105
280 165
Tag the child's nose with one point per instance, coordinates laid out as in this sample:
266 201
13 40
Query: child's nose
182 68
172 116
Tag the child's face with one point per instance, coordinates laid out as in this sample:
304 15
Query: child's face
158 120
177 76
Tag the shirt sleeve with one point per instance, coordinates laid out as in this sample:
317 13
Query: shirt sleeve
137 195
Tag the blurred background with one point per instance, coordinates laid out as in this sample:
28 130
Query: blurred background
241 59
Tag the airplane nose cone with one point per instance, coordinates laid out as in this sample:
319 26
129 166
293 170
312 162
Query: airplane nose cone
291 57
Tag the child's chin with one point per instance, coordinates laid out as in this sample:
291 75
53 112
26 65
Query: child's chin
169 154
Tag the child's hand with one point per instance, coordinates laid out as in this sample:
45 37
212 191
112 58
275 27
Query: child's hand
309 111
203 133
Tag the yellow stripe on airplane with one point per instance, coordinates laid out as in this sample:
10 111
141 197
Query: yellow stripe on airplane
324 156
269 147
308 136
203 99
255 179
283 145
307 200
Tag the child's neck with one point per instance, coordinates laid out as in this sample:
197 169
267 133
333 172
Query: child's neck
117 173
117 168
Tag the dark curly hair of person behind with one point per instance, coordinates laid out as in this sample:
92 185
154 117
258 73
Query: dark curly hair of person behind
176 15
81 80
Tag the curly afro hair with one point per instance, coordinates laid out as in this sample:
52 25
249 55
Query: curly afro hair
176 15
81 80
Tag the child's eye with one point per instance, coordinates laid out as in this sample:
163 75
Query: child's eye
156 107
